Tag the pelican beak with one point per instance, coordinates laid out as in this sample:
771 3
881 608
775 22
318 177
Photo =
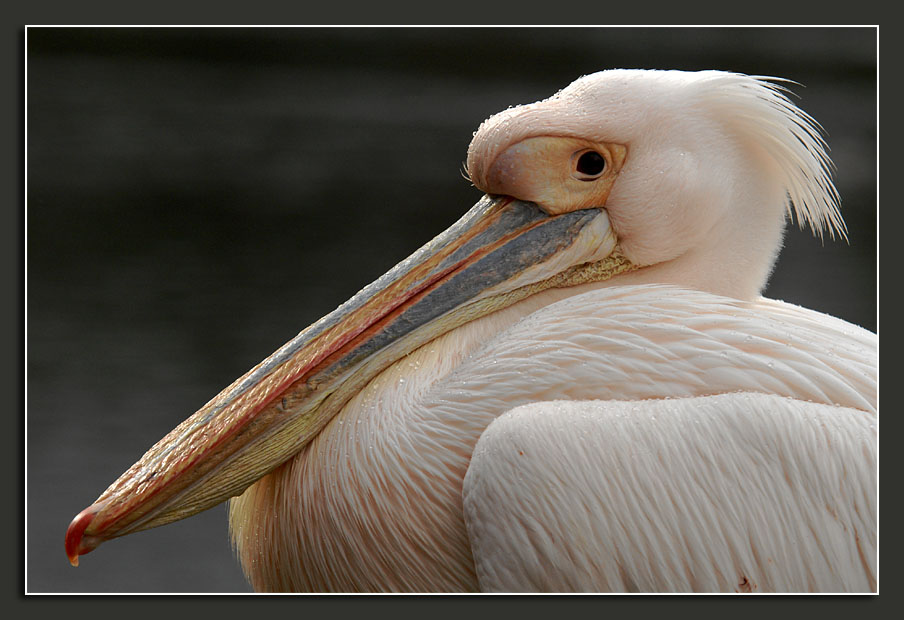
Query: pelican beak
498 253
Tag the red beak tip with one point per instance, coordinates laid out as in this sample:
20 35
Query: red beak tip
76 542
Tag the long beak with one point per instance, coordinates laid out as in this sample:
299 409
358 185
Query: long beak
500 252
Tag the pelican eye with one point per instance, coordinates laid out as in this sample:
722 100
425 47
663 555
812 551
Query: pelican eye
588 165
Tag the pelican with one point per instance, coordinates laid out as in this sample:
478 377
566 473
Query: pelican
576 387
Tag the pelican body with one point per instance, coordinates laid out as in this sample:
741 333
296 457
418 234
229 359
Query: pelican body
576 387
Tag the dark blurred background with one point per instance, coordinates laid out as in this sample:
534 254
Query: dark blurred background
195 197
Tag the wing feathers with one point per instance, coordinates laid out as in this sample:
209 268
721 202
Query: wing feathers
736 492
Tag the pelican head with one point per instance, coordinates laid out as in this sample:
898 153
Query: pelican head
695 170
622 177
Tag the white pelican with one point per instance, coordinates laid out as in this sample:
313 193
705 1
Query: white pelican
576 387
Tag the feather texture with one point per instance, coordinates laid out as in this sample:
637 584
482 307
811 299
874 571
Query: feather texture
390 467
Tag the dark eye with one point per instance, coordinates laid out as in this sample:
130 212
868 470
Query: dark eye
589 166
